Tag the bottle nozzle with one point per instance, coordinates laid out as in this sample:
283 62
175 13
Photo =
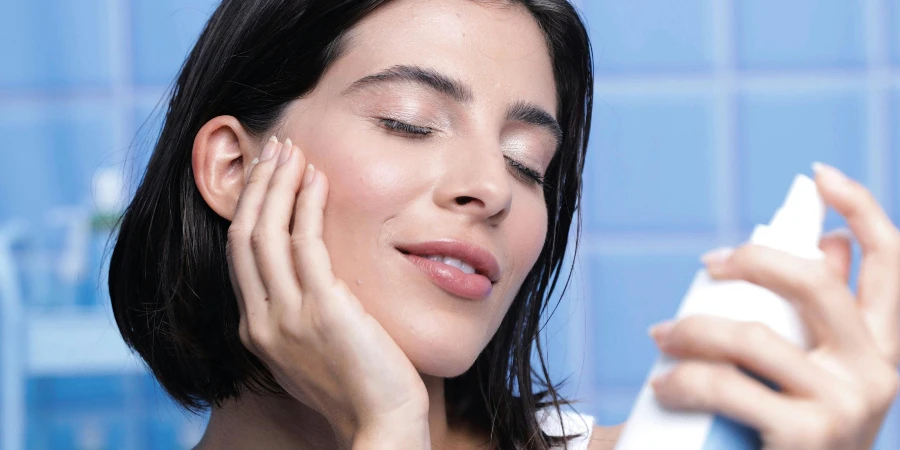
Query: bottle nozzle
797 225
801 216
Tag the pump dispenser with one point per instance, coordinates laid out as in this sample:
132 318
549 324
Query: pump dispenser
797 225
796 228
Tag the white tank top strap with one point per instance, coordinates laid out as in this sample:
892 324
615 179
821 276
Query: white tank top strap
573 422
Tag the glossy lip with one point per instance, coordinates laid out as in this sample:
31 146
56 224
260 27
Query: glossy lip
470 286
480 259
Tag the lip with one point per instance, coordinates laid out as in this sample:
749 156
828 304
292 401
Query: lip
481 260
477 286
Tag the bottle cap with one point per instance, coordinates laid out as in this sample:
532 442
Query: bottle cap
797 226
802 214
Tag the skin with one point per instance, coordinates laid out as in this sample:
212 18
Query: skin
362 341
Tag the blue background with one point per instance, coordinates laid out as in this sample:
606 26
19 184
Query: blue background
704 111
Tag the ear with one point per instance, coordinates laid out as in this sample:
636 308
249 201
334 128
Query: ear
221 159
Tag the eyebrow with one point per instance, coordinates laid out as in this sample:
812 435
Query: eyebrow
520 111
428 77
535 115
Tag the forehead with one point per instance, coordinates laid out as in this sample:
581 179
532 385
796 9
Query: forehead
496 48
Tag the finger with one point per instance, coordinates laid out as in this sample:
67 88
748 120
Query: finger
271 238
868 221
246 281
823 301
838 249
750 345
878 285
721 388
310 254
244 318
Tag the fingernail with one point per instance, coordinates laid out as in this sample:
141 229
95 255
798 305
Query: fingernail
268 150
717 256
661 330
273 138
657 381
309 175
829 174
286 152
253 164
842 233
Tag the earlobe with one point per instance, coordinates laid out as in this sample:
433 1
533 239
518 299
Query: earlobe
221 154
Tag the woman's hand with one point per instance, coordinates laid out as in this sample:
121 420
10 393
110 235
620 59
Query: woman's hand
304 323
834 396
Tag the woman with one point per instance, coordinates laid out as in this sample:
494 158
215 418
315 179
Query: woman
357 210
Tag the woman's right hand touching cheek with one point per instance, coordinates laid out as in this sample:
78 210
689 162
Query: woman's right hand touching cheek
304 323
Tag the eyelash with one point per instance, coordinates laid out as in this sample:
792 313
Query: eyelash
415 132
532 175
405 128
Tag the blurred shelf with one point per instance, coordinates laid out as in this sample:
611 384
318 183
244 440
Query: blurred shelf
76 344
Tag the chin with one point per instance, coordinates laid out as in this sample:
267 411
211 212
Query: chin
442 351
443 364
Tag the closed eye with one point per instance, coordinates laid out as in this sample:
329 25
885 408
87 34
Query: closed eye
526 173
405 128
523 172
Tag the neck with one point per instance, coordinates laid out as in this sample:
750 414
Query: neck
257 421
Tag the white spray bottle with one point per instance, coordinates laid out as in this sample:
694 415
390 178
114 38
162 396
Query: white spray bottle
796 229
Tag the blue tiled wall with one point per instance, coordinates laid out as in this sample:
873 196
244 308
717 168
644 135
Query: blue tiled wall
51 150
629 186
651 35
777 35
52 45
781 132
894 29
704 111
162 33
623 303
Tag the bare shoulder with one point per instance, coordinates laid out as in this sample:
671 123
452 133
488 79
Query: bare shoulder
604 438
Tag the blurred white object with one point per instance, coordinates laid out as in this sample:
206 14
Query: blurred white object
108 187
74 256
91 436
12 409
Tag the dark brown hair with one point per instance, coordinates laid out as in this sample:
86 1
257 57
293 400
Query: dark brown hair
168 277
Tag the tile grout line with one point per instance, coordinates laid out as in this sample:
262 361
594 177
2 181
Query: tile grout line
107 95
776 81
123 104
681 245
878 161
725 173
604 85
879 164
586 375
121 58
578 363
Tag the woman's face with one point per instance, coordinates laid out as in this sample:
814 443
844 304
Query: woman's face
477 79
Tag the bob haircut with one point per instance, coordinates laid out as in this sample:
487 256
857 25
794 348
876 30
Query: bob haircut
168 279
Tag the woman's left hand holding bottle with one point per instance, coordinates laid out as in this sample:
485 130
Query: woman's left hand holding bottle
304 323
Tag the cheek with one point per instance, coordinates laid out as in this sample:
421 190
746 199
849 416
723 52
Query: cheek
525 238
365 178
368 186
528 233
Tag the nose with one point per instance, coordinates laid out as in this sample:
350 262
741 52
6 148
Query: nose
476 182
